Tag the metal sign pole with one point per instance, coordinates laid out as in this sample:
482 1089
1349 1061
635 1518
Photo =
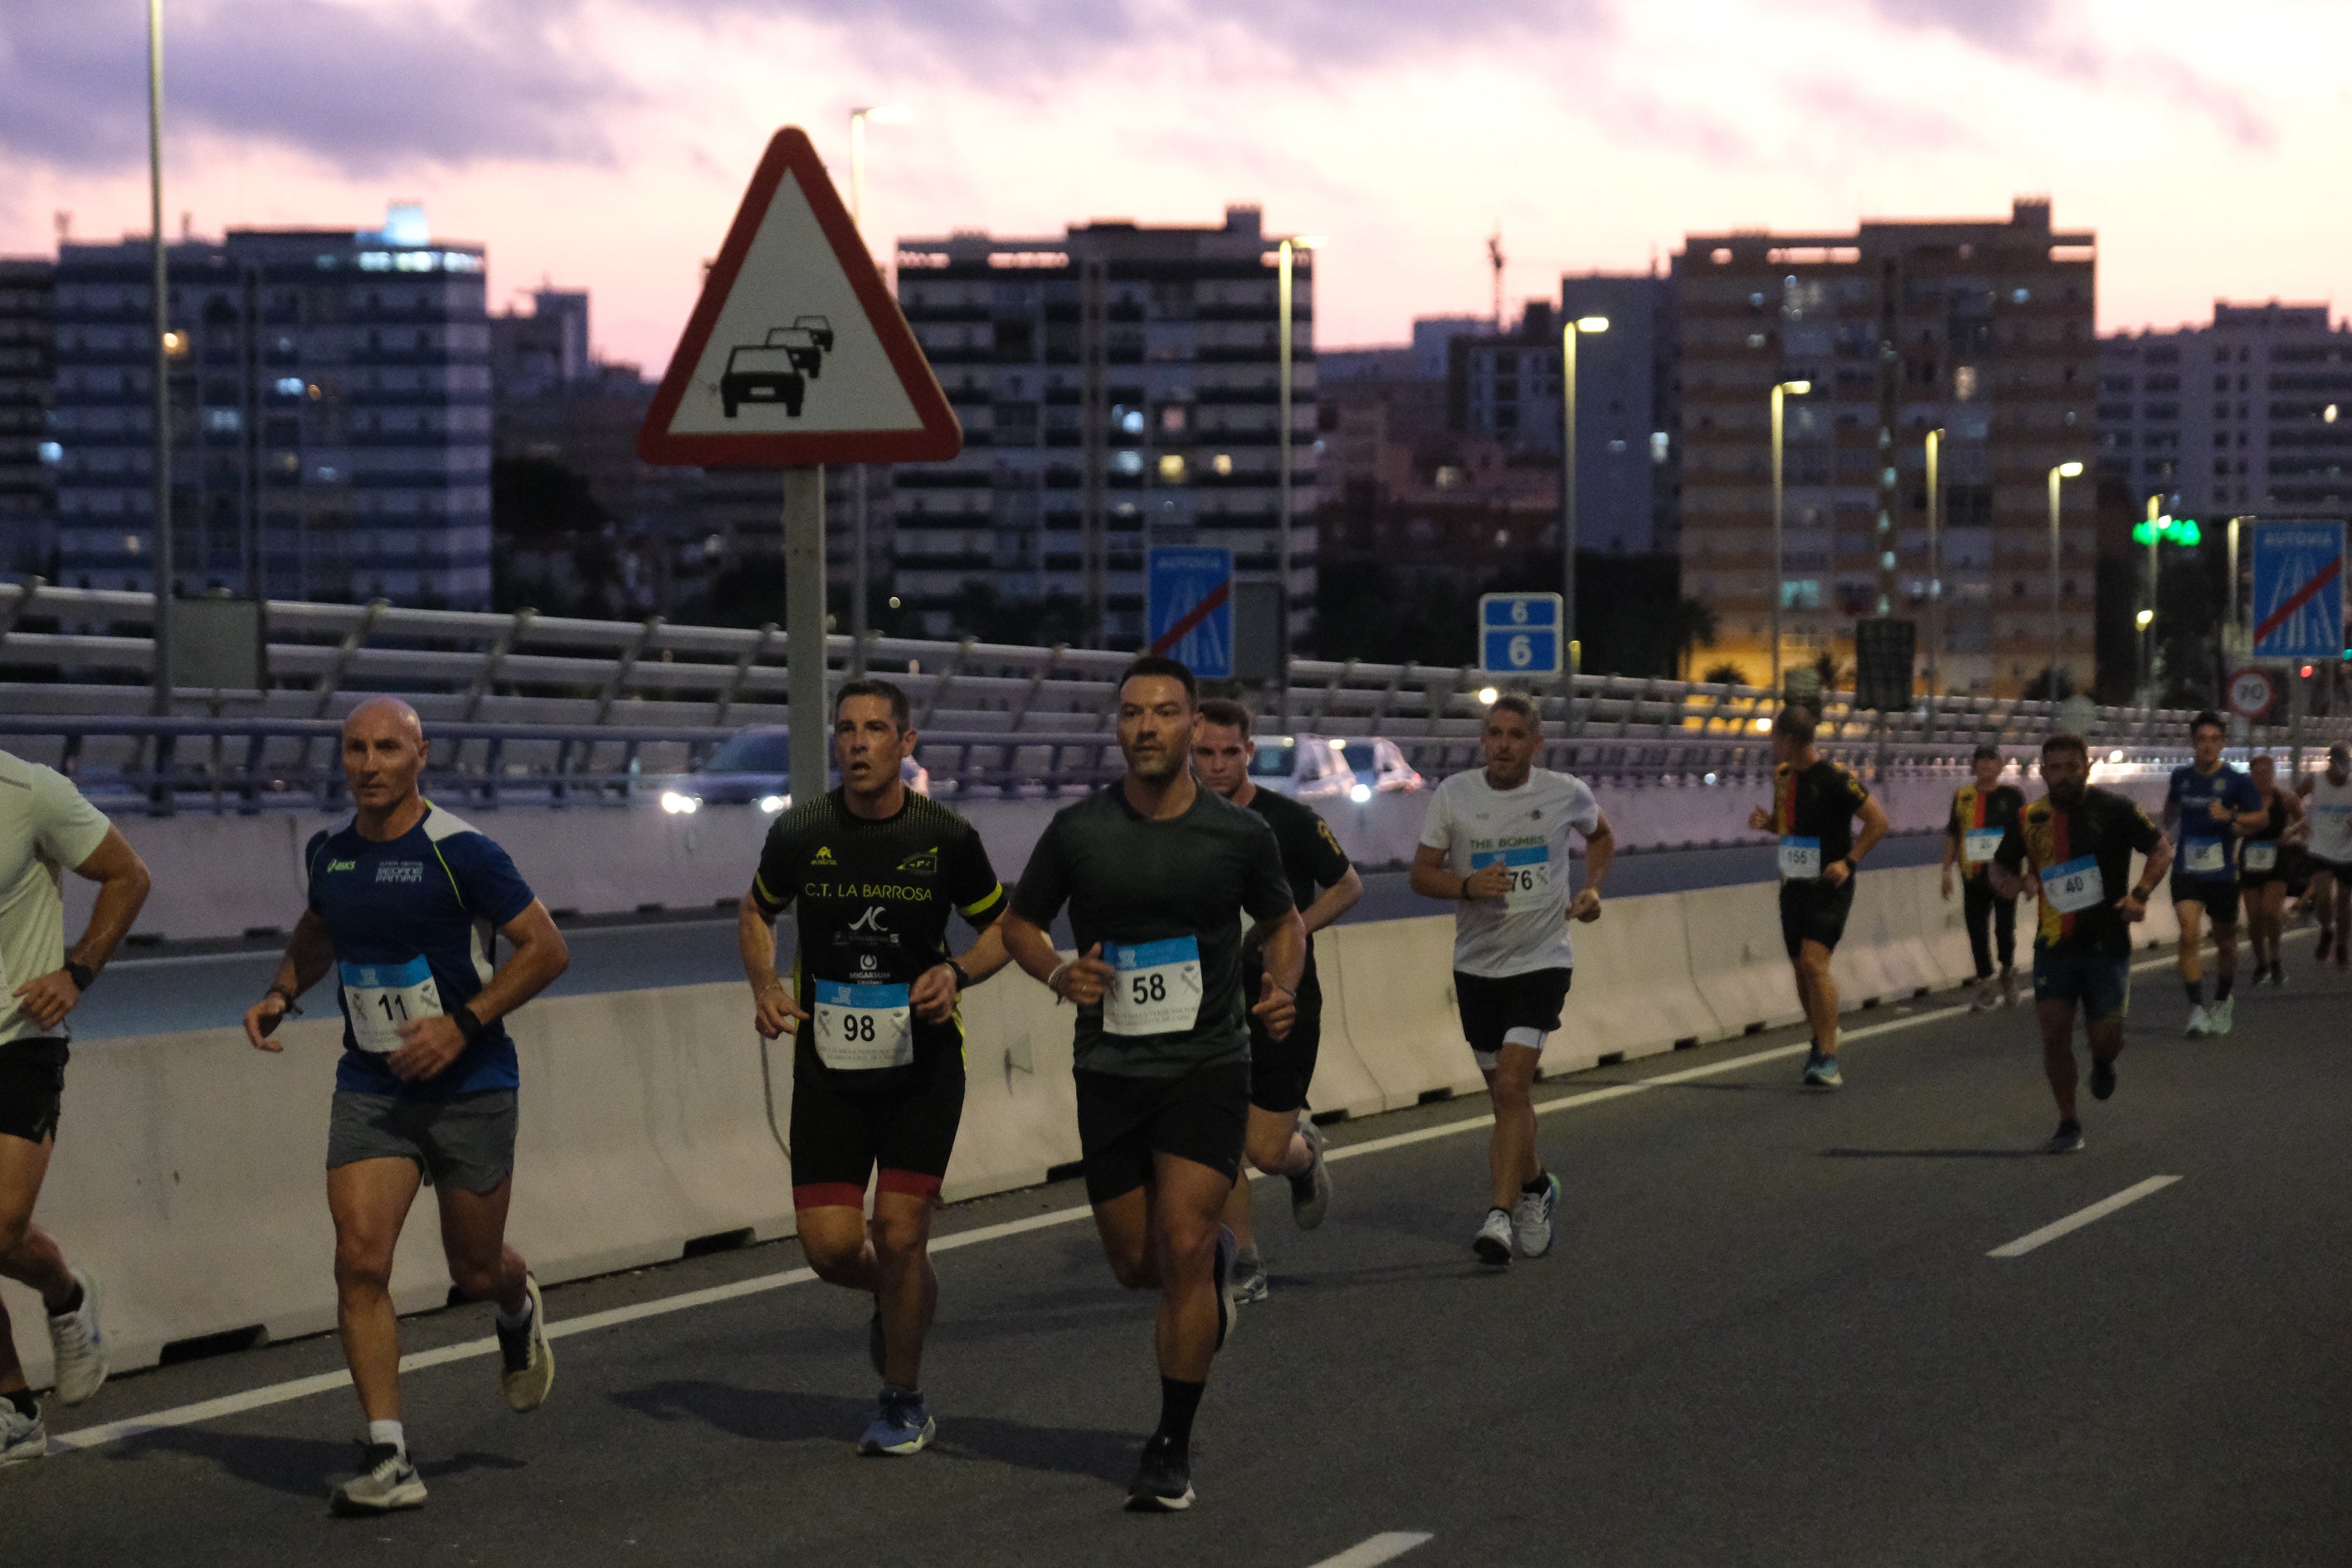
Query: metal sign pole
804 628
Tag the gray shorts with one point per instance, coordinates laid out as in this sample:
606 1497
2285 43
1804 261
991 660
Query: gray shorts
467 1143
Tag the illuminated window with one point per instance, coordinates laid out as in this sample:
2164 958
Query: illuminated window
1661 445
1222 463
1964 381
289 386
1130 462
222 419
1172 466
131 544
1171 417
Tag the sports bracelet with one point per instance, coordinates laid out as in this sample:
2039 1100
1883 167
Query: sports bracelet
293 1008
1054 981
468 1024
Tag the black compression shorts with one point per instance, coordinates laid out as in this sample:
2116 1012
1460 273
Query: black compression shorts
1124 1120
1281 1070
1814 912
840 1135
1492 1005
2220 897
32 1087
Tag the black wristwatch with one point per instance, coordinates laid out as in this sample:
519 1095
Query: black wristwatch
472 1027
81 975
963 980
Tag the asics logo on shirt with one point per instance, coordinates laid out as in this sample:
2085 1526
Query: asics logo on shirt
343 865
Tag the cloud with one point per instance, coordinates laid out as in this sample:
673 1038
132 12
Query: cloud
2003 26
1861 113
365 92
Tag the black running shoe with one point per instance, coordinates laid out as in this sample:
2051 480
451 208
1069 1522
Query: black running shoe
2102 1079
1163 1481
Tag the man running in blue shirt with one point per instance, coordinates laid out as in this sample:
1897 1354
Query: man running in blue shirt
2213 804
404 899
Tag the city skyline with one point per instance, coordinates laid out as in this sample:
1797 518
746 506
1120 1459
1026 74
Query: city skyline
605 147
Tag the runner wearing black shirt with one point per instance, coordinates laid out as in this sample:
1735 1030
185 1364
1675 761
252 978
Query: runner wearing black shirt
1156 873
2079 843
1282 1143
877 1056
1982 813
1814 802
2263 873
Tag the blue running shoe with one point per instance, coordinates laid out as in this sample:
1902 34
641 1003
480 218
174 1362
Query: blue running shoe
1821 1071
904 1426
1531 1212
2067 1140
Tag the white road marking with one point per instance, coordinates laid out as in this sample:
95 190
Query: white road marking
2081 1217
1379 1548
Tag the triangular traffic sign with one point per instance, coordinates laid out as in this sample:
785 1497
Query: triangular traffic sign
796 355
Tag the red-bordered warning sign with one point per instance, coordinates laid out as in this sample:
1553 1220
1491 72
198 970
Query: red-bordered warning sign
796 355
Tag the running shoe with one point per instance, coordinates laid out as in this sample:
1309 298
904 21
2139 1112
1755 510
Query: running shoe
1310 1191
1531 1212
2009 986
2200 1023
1249 1280
1821 1071
878 1347
387 1483
1986 998
1163 1481
78 1345
2217 1020
2067 1140
2102 1079
22 1436
1493 1242
526 1361
1227 1247
2278 974
903 1426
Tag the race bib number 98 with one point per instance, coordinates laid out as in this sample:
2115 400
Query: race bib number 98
379 998
2076 885
860 1028
1528 871
1156 989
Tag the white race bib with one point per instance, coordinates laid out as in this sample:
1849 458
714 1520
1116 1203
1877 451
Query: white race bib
1801 859
2204 856
862 1028
1979 845
2075 885
2262 855
1528 868
1156 989
379 998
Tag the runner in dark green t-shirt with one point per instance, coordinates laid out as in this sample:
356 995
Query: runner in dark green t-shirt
1156 873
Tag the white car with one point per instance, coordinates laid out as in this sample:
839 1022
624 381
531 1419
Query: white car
1325 767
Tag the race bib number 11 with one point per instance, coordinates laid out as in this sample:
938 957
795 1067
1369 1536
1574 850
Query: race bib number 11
1156 989
379 998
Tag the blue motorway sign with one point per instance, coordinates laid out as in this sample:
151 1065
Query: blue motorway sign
2298 610
1518 633
1189 607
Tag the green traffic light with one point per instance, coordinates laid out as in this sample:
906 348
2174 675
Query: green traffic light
2143 533
2185 531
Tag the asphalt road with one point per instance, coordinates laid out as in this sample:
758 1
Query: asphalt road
201 985
1771 1334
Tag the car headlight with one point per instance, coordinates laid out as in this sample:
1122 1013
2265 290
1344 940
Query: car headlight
772 803
1359 793
678 804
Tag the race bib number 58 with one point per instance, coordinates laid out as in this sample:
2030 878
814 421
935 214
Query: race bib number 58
1156 987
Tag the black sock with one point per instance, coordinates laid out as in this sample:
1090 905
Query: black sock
2221 987
1541 1184
72 1306
1178 1402
26 1405
2195 989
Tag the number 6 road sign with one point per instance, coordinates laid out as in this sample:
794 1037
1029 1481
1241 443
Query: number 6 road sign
1518 633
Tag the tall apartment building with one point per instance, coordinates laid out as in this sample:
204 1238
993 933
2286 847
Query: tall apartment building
1983 328
2248 415
1118 389
27 454
331 414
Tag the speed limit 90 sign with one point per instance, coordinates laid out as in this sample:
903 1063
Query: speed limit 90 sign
1518 633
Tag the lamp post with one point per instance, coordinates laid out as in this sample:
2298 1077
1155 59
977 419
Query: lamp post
1569 332
860 566
1935 571
2231 620
1285 282
1779 390
2057 633
161 460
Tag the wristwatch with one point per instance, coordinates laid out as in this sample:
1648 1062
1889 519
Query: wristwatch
963 980
81 975
472 1027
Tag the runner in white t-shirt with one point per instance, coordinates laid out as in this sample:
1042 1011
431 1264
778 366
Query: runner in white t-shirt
1496 843
2327 804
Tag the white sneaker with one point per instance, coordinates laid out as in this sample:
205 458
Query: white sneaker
2198 1024
388 1483
22 1436
78 1345
2218 1021
526 1361
1531 1218
1493 1242
1986 997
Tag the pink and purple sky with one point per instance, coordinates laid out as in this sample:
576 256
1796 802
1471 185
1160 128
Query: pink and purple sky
604 143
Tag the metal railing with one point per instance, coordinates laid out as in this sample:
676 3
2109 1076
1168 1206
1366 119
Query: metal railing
523 703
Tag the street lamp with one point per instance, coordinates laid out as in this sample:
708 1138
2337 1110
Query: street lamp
1285 268
1935 564
1569 333
860 566
1779 390
2057 636
2144 620
163 568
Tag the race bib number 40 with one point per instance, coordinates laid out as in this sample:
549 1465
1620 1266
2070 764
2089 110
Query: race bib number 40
1156 989
1801 859
2075 885
860 1028
1980 845
379 998
1528 871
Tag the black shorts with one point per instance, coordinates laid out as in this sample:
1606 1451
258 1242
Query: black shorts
1124 1120
2283 871
2220 897
32 1087
839 1135
1281 1069
1493 1005
1814 912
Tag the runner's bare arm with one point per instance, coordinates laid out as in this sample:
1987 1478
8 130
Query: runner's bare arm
1079 980
776 1010
309 953
122 882
1431 879
1332 903
1599 849
933 994
1286 962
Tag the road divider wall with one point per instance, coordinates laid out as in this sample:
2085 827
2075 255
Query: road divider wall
190 1169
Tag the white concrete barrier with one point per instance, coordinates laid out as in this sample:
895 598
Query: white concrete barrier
1398 1005
1633 995
1342 1080
1736 958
